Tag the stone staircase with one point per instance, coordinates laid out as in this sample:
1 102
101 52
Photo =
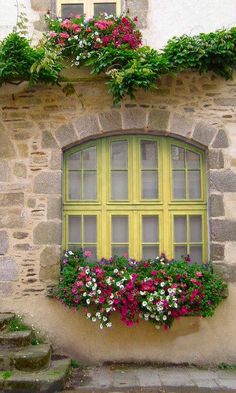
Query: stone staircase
28 368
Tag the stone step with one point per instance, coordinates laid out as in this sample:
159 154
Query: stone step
30 358
44 381
5 318
15 339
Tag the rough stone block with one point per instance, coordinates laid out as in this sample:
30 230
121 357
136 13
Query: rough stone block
230 251
87 125
223 181
110 121
181 125
216 205
50 256
4 243
47 233
204 133
49 273
48 141
217 252
227 272
230 205
66 135
20 235
4 170
20 170
40 5
221 140
7 149
223 230
215 159
56 159
158 120
54 208
12 219
135 118
226 101
47 183
6 288
8 269
12 199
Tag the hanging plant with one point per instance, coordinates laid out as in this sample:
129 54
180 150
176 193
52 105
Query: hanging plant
158 291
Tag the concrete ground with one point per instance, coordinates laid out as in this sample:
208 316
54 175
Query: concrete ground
150 379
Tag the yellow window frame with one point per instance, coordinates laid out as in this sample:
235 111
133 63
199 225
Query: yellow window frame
88 5
134 207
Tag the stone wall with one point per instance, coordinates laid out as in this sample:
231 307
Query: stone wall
37 124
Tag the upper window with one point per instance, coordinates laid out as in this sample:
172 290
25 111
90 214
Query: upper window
136 195
67 8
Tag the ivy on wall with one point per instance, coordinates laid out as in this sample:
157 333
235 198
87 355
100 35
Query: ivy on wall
112 45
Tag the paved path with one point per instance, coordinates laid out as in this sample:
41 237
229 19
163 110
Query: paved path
115 379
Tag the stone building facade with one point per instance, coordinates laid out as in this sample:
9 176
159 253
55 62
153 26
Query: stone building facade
37 125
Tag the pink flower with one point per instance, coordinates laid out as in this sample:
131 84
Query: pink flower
66 23
52 34
76 28
88 254
64 35
199 274
80 283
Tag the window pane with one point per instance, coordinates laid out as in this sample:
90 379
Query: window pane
149 185
149 154
179 187
90 229
150 229
194 184
68 10
196 254
195 228
193 160
178 157
119 185
90 158
74 224
180 229
150 252
180 252
74 161
120 250
74 247
120 230
119 155
75 186
93 250
90 185
109 8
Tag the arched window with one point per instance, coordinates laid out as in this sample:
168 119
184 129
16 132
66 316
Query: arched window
136 195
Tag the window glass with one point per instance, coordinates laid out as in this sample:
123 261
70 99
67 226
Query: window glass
68 10
100 8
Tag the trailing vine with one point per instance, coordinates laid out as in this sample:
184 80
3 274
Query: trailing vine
112 45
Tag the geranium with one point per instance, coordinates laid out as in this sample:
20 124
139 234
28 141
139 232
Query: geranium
150 290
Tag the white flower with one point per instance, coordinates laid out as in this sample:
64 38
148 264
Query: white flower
99 291
88 301
108 309
87 271
104 319
162 284
84 294
94 279
101 326
164 317
111 297
94 319
109 324
110 302
98 314
88 315
144 304
157 318
142 293
115 270
162 292
70 253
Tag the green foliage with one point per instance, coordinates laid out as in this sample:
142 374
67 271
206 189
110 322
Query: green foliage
76 364
17 324
226 366
6 374
128 67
